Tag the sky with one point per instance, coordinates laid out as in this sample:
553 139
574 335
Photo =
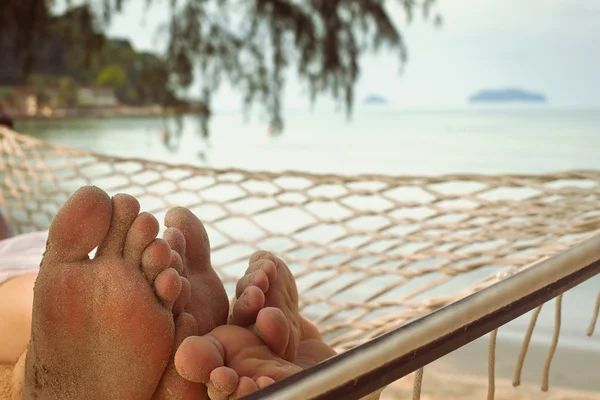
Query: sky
548 46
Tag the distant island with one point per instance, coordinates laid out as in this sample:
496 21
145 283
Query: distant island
376 99
507 95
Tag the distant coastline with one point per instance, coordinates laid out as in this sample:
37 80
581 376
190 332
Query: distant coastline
509 95
94 113
375 99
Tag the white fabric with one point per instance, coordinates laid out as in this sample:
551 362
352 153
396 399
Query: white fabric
21 254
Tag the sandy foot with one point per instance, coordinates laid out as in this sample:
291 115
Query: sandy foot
102 328
275 343
208 300
203 297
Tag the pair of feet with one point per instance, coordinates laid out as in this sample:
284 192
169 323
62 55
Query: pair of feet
146 318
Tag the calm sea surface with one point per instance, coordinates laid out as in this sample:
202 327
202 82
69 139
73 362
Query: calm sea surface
386 141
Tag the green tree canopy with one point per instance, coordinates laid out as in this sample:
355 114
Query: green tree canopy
251 43
111 76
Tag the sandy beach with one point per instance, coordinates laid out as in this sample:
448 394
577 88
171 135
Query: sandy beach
463 374
443 386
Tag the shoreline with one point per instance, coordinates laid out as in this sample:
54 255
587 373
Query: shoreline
101 113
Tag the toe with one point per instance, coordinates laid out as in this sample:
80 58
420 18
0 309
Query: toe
264 261
274 329
185 326
80 226
176 241
224 379
197 357
257 278
245 387
247 306
261 255
184 296
176 261
167 286
197 249
264 381
125 211
141 233
215 394
155 259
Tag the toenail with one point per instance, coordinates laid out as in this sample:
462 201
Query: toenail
268 263
246 298
261 255
252 277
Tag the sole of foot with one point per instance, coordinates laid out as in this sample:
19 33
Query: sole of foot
101 328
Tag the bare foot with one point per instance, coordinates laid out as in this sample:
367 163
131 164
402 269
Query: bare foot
208 303
203 297
279 342
102 328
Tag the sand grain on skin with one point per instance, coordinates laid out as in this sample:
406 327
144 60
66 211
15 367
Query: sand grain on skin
99 329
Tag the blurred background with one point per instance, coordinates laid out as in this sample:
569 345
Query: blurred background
392 87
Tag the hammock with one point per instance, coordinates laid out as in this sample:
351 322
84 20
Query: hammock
371 253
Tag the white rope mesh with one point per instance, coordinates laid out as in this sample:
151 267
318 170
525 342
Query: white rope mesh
369 252
592 326
525 346
492 365
553 345
418 384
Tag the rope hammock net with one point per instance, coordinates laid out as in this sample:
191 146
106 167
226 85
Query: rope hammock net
370 253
